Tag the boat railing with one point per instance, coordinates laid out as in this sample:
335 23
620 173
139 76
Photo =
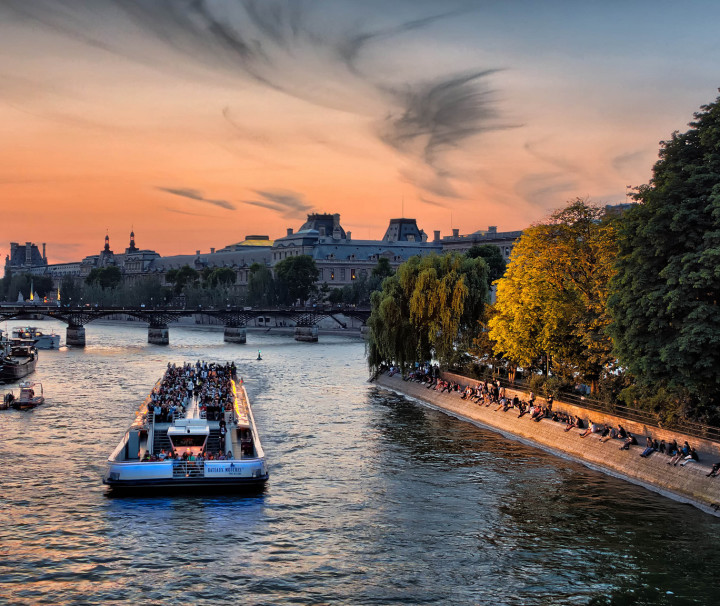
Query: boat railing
188 469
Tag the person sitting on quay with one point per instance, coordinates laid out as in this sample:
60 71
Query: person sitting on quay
611 434
592 428
691 457
629 441
649 448
680 454
714 470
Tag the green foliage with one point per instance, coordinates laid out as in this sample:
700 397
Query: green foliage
552 298
494 259
104 277
430 308
664 306
295 278
261 286
221 276
180 278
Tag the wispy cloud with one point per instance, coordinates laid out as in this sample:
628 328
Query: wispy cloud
194 194
288 204
184 212
323 56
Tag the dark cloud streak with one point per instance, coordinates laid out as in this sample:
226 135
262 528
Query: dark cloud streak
194 194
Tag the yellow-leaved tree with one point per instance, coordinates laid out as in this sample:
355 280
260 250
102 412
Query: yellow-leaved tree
551 303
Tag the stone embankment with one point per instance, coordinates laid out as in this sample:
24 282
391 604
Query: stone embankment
687 483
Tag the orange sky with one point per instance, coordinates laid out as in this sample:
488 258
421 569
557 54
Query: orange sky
198 127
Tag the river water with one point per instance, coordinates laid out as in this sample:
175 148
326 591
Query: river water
372 498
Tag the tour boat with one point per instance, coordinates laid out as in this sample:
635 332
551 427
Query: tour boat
31 395
192 436
41 339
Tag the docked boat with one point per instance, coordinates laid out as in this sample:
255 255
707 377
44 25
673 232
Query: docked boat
31 395
42 340
192 431
17 359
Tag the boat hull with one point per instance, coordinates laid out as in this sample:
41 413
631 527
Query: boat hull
11 371
237 474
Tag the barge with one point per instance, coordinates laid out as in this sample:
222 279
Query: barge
195 430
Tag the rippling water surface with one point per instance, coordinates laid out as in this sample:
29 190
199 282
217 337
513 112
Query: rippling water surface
372 499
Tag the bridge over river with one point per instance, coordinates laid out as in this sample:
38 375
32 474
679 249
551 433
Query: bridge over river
234 319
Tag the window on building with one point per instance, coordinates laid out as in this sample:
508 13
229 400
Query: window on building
332 274
352 274
342 274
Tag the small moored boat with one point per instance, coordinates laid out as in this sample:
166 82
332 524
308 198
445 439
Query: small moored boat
31 395
195 430
17 359
42 340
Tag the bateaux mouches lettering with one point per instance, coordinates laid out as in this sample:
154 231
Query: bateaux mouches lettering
223 469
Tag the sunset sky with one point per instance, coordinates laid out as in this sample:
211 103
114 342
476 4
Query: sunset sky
199 122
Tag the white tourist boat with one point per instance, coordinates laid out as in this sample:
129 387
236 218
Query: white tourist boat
42 340
144 456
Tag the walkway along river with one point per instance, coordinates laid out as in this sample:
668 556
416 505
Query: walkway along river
688 483
372 499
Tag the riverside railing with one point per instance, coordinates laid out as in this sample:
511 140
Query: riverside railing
697 430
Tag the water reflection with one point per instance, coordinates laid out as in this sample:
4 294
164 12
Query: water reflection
372 499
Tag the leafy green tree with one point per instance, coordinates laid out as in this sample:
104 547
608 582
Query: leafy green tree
261 286
493 257
430 308
552 301
296 277
382 270
105 277
664 305
221 276
180 278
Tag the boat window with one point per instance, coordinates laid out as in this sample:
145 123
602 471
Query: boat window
187 441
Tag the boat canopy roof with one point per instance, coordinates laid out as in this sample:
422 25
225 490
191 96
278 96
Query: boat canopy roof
196 427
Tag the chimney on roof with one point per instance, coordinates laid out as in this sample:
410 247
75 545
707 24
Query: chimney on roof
44 255
197 252
456 233
289 231
436 236
322 231
348 235
212 250
492 229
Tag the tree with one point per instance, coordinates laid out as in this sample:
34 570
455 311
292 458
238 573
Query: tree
665 297
494 259
430 308
382 270
105 277
221 276
296 276
261 286
182 277
551 302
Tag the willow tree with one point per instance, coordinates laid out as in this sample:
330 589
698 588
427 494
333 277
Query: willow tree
552 301
429 309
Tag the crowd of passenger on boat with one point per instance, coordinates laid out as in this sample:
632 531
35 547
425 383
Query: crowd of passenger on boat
487 393
174 455
209 383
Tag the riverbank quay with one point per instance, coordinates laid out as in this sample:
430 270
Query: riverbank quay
688 483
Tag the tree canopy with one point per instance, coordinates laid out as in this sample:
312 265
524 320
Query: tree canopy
552 299
493 257
664 306
296 278
180 278
105 277
261 287
429 309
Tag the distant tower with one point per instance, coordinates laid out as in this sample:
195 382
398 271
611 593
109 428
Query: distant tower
107 243
132 247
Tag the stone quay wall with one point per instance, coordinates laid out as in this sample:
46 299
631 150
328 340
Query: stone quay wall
687 483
